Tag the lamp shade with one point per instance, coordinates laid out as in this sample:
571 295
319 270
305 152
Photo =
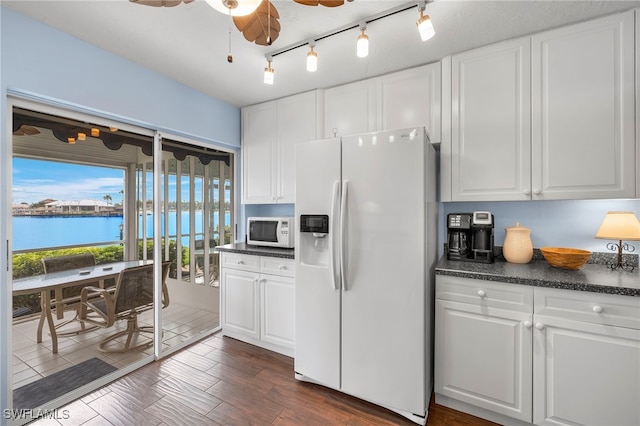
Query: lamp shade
619 226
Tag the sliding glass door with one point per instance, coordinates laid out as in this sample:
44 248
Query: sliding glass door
85 208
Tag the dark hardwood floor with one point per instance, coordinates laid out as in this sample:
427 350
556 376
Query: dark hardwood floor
220 380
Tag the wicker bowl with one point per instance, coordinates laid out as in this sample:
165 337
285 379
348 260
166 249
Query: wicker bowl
566 258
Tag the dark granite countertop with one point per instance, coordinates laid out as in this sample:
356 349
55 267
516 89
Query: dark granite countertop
592 277
244 248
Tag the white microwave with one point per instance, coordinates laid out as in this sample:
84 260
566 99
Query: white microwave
271 231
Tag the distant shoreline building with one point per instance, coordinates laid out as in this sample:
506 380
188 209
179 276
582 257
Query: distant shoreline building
68 208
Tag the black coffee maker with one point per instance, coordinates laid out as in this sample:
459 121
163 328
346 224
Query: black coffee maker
470 237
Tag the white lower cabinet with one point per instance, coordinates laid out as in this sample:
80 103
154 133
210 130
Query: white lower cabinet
516 354
483 345
258 300
586 359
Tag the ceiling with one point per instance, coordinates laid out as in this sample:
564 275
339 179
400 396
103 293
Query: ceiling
190 42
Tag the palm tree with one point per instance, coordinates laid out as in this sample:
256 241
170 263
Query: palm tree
107 198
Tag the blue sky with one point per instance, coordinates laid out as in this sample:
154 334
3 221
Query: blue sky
35 180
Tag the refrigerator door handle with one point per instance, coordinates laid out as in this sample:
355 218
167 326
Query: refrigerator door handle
343 237
333 251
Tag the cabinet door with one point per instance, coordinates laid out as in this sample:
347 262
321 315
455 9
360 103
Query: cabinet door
278 310
583 135
296 123
350 109
240 302
491 135
483 357
585 373
411 98
259 137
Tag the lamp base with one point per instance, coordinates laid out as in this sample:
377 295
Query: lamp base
620 264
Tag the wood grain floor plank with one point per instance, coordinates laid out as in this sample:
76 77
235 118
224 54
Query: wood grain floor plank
224 381
190 396
172 412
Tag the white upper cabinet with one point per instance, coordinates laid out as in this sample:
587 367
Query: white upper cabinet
259 140
411 98
547 117
490 123
270 132
583 117
398 100
637 103
350 109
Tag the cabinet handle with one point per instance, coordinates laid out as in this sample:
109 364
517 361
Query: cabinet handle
528 324
539 325
283 268
537 191
481 293
527 192
597 309
240 262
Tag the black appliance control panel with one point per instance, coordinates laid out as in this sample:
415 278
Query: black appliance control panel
315 223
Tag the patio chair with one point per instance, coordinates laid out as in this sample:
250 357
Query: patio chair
132 295
68 298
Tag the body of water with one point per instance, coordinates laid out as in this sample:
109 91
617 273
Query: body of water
32 232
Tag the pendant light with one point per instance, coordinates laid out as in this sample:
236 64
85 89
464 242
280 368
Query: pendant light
269 73
362 45
312 59
425 26
235 7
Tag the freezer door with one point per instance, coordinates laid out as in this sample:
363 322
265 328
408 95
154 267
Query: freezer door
317 335
383 299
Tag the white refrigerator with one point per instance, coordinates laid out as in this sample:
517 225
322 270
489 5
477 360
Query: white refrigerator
365 255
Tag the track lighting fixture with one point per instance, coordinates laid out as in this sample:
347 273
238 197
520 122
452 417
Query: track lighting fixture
82 136
95 132
312 59
362 46
425 26
269 73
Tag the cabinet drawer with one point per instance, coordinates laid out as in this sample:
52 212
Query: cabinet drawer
277 266
243 262
485 293
598 308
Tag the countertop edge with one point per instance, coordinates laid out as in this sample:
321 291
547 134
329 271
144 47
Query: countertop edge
243 248
538 273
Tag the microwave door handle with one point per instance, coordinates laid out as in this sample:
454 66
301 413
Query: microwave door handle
343 236
335 212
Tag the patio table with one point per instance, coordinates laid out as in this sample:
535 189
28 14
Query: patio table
58 280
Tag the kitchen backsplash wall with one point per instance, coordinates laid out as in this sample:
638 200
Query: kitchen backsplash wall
566 223
570 223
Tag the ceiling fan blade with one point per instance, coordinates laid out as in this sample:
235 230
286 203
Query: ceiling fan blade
259 25
326 3
160 3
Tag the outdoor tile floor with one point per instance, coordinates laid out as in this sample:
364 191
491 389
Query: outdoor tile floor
32 361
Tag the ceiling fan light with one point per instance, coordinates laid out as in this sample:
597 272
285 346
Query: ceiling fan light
269 74
312 61
425 27
362 45
235 7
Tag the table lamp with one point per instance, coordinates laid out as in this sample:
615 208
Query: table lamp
620 226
